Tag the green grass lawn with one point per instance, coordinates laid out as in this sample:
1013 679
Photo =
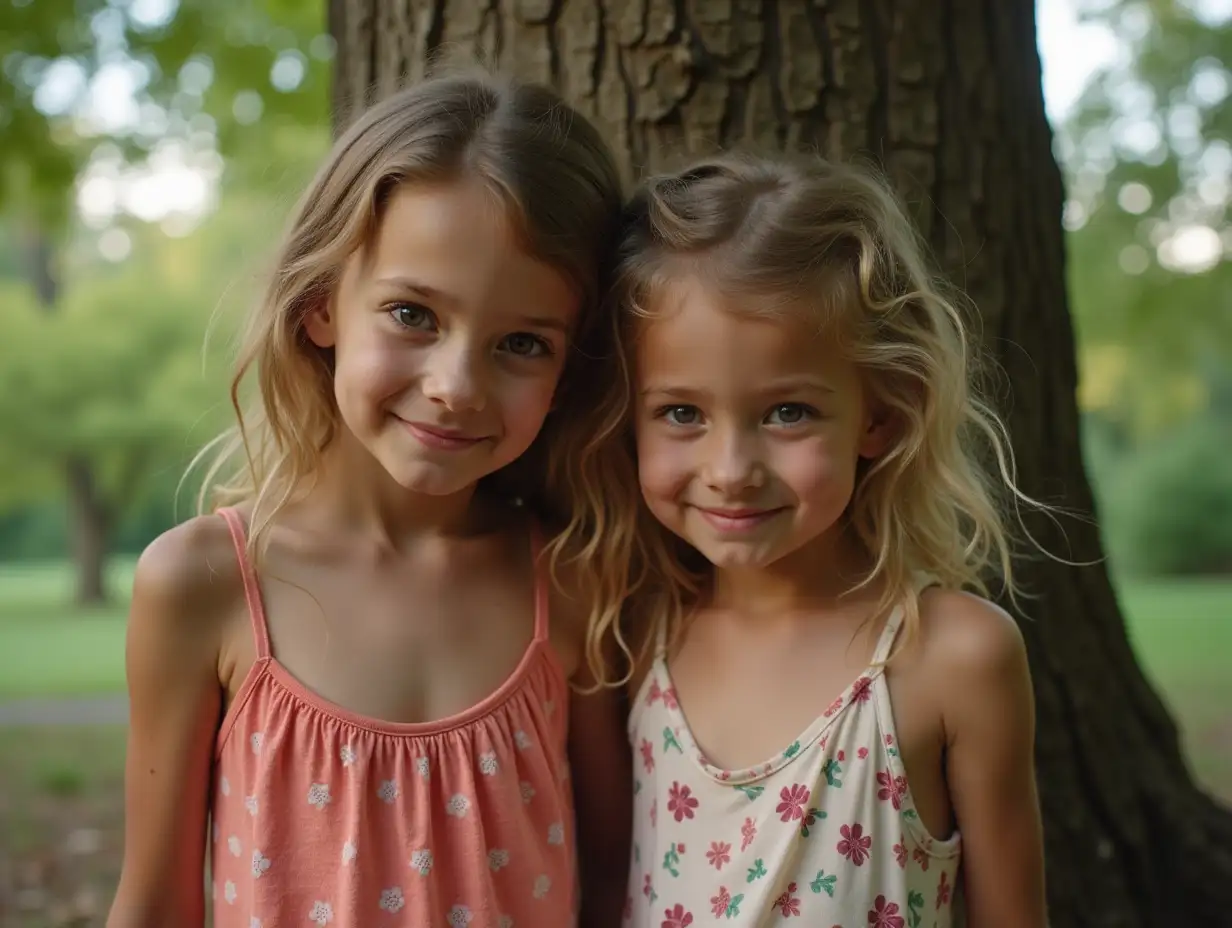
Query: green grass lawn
49 647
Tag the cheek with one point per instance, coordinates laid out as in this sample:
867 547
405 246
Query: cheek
663 466
525 404
817 472
373 369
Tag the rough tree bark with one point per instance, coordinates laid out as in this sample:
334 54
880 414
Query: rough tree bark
946 95
88 520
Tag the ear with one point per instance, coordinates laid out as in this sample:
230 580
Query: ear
880 430
321 324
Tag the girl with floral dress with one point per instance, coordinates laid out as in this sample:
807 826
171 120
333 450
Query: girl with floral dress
827 729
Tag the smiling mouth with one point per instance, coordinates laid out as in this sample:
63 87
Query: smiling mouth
433 436
738 520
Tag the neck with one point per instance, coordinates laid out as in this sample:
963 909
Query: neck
816 576
354 493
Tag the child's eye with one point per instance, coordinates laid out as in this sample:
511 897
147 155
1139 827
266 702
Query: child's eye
525 345
680 415
790 414
411 316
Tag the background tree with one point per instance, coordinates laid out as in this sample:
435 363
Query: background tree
58 57
947 96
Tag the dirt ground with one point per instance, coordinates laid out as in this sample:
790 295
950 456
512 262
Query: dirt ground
61 824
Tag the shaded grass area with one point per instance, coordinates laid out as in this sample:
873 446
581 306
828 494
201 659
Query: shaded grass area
1182 634
61 825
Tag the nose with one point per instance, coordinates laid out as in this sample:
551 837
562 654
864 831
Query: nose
454 378
733 463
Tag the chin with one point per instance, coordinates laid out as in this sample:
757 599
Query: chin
738 556
432 479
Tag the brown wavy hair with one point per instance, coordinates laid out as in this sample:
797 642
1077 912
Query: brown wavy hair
835 239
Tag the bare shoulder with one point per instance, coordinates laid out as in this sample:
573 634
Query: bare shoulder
975 665
188 578
968 635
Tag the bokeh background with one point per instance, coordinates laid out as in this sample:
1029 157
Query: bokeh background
151 150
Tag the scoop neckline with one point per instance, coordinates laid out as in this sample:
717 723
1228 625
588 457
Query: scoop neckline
281 676
739 776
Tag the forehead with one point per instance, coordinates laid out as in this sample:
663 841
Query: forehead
456 238
697 336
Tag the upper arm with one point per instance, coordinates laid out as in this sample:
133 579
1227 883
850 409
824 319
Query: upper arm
601 768
173 642
989 717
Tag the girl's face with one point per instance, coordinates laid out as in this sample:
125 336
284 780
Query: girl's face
749 429
448 339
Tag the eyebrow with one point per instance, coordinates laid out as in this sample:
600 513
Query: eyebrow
786 386
428 292
416 286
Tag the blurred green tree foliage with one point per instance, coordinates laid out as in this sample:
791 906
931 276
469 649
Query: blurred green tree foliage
101 367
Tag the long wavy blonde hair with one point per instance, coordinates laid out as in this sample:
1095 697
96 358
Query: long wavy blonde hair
835 239
561 187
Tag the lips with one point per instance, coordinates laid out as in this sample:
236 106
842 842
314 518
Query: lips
735 520
444 439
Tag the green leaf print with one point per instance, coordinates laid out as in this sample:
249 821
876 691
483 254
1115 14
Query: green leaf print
733 907
669 740
637 853
833 770
893 752
751 791
810 819
792 749
824 884
637 787
915 902
909 813
672 859
757 871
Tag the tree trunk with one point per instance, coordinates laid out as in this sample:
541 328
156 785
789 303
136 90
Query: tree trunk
946 95
89 523
87 511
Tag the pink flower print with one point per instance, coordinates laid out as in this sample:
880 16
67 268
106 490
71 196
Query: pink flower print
943 890
855 843
862 690
677 917
719 854
680 801
862 753
627 913
654 814
647 886
654 693
748 831
794 799
900 852
889 740
834 707
669 697
648 755
892 788
788 903
719 903
920 858
885 914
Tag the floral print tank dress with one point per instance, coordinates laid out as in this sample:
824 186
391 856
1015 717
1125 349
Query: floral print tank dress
824 833
322 817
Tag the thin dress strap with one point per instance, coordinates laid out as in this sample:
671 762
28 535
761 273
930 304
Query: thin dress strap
919 583
543 574
252 592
